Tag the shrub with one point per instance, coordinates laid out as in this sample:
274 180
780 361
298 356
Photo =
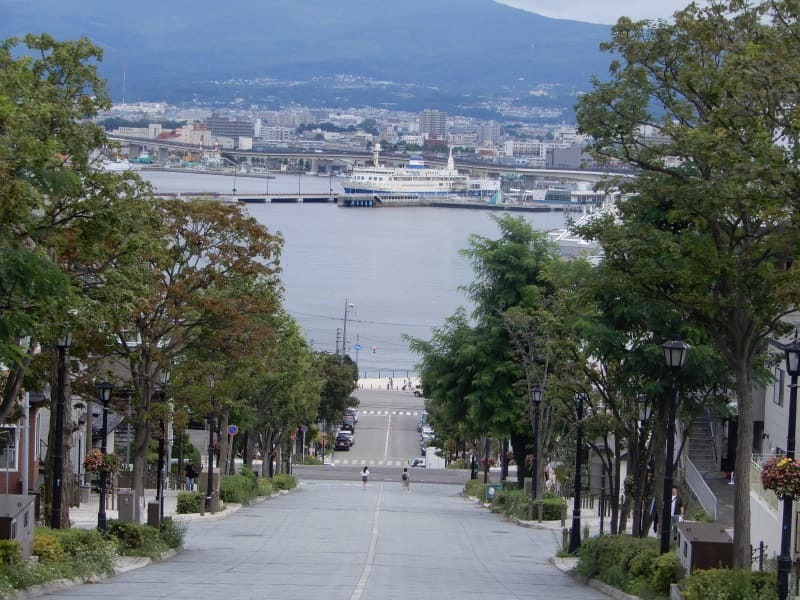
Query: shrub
134 539
127 535
459 463
284 481
516 503
10 552
172 532
83 553
475 487
46 547
240 489
731 584
631 564
266 487
189 502
666 570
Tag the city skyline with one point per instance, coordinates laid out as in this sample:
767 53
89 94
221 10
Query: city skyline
606 13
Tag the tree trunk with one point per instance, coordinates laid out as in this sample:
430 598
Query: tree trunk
744 450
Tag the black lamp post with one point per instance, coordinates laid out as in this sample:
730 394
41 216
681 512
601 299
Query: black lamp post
105 395
62 344
792 351
537 394
675 354
210 480
575 535
164 379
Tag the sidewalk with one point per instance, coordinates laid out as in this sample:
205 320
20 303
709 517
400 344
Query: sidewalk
85 516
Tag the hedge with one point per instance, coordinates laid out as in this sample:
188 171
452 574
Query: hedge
631 564
730 584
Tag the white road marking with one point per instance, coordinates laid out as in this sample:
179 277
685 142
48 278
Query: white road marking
362 581
388 431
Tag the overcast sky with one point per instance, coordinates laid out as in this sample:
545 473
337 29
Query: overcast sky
600 11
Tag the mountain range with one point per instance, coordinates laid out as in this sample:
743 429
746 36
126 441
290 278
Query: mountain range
166 50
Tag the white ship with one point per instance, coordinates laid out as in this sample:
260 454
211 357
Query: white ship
417 180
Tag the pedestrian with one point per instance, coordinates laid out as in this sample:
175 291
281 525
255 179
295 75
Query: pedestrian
191 475
406 480
364 477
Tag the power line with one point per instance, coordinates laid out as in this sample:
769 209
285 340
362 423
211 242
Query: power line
351 320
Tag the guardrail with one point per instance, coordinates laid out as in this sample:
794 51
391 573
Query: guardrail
707 498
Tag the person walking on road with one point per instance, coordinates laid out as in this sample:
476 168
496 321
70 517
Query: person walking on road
405 478
364 477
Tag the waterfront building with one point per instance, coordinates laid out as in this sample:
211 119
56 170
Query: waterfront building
433 123
223 127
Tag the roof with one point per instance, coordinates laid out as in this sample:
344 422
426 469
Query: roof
694 531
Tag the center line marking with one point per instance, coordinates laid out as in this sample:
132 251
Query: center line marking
388 430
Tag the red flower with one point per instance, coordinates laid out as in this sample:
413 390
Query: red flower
782 476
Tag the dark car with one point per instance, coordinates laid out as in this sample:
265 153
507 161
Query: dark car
342 442
348 423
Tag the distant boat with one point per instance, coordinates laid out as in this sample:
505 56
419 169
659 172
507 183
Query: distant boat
417 179
116 166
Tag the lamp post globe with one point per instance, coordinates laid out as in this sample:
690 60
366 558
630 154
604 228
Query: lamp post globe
792 356
105 391
675 352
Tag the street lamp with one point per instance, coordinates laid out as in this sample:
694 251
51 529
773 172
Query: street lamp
210 482
792 351
164 380
62 344
347 308
537 393
675 354
575 535
105 395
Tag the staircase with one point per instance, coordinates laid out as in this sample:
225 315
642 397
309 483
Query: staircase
703 456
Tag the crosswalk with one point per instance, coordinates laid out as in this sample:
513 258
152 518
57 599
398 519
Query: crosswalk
408 413
368 462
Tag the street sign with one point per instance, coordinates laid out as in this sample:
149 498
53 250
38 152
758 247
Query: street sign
233 430
357 347
304 428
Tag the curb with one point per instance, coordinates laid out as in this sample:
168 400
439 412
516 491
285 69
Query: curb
568 566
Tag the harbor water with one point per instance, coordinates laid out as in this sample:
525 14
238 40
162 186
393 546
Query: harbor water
399 267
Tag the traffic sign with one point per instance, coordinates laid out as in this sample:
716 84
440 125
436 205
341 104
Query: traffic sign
233 430
304 428
357 347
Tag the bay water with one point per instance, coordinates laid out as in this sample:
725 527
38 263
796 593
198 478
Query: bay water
393 271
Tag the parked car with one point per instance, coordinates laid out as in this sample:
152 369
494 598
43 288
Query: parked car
351 412
348 423
417 462
342 442
350 436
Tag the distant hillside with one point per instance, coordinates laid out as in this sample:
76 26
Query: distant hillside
459 46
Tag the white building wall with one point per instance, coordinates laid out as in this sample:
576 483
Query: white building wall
765 526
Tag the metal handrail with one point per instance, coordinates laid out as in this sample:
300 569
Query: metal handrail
703 493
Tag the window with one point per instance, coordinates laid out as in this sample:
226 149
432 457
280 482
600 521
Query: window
778 386
8 448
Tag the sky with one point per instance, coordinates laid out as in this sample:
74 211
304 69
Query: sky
600 11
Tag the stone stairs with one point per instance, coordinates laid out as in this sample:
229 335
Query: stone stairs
701 453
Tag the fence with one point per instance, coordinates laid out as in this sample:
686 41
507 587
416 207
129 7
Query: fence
706 497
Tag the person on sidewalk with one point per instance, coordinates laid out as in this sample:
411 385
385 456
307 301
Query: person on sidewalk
364 477
190 470
405 478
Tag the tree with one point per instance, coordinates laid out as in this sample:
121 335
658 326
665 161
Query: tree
485 372
199 291
711 226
